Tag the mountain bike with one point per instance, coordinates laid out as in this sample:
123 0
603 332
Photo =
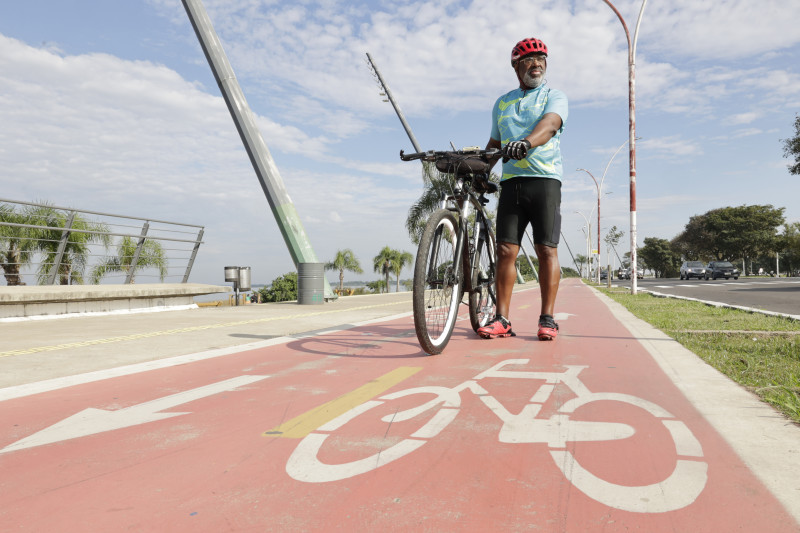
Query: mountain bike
456 254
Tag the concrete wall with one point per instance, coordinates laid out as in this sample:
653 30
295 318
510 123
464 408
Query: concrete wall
55 300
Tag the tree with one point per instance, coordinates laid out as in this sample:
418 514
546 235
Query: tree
437 185
399 262
695 242
17 245
382 263
377 286
790 244
150 256
81 233
612 239
659 256
791 147
524 268
581 260
731 233
344 260
282 289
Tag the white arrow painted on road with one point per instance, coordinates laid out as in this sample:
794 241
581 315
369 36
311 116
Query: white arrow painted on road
562 316
91 421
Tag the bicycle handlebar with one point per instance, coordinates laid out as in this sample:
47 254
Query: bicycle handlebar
433 155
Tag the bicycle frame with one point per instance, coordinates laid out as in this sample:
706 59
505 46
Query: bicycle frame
465 199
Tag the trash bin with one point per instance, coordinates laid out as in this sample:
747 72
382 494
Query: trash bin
244 279
232 274
311 283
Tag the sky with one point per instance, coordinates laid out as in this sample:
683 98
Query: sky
111 106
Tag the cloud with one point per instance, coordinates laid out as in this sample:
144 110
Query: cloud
671 147
743 118
719 30
132 137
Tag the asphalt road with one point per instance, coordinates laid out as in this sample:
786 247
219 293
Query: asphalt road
776 295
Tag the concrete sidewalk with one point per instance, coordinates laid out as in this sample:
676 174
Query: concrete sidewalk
35 351
39 349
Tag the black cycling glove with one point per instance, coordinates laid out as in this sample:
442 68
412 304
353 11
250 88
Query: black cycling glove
517 149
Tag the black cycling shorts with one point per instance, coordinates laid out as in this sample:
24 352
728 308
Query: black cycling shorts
535 201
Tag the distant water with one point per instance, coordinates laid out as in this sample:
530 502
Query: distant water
256 286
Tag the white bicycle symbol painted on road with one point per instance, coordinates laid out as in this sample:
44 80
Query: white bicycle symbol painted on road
680 489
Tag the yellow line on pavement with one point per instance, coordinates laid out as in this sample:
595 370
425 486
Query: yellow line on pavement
302 425
136 336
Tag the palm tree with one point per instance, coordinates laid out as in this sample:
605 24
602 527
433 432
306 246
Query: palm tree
581 260
150 256
82 233
382 263
344 260
17 245
401 260
437 185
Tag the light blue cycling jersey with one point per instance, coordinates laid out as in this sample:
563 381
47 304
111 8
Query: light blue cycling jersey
514 116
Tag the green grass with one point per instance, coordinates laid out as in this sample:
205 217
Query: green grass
755 350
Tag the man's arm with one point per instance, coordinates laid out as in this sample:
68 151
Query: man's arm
544 130
493 143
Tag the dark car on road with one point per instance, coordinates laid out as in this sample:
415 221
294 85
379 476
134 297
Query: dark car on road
721 269
693 269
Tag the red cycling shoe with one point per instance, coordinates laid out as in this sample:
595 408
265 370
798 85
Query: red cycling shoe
497 327
548 329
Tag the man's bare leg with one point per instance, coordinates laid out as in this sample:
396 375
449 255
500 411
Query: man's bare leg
549 276
506 276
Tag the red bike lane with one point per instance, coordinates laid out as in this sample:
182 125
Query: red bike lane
359 430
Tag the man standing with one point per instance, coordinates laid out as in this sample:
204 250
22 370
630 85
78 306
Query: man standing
527 125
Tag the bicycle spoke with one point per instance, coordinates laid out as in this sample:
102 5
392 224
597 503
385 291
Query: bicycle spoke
436 284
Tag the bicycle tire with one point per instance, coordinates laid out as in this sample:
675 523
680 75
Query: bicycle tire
483 296
437 288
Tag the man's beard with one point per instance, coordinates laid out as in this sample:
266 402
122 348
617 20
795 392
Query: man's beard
531 81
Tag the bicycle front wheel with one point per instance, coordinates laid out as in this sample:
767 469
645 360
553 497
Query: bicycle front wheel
437 285
483 296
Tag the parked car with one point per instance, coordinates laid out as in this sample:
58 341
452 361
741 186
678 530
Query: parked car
625 273
693 269
721 269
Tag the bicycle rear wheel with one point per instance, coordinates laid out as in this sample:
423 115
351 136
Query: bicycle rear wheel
483 296
437 286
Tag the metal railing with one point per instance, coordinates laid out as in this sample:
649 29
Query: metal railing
48 245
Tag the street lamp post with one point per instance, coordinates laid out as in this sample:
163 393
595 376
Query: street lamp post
631 128
588 242
599 187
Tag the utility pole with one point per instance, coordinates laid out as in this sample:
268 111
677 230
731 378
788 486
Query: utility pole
631 129
268 176
388 93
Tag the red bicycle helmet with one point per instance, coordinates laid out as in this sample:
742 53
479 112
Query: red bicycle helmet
527 46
